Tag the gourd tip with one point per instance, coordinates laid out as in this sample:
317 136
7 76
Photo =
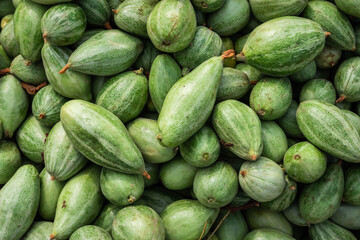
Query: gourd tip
241 57
115 11
253 157
145 174
228 54
242 173
107 25
327 34
52 178
139 71
159 137
353 49
52 236
27 62
41 115
4 71
340 99
63 70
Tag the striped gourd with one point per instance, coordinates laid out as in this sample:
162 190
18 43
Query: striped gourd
283 46
230 18
10 160
101 137
350 7
263 180
79 203
70 84
124 95
268 234
105 54
239 127
33 73
325 126
62 160
190 101
49 193
265 10
258 217
46 106
328 230
39 230
90 232
347 216
163 33
8 40
332 20
347 80
121 189
19 201
143 131
30 138
27 25
106 217
164 73
14 104
319 200
185 219
352 186
206 44
63 24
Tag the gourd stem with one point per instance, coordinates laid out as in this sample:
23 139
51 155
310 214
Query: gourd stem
108 26
63 70
228 54
4 71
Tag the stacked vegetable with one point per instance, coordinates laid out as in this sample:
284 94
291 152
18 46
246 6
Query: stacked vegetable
179 119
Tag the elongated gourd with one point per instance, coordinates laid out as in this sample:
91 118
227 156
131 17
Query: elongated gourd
101 137
184 110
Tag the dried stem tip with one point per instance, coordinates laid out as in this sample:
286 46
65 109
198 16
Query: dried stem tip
63 70
327 34
52 236
107 25
4 71
145 174
228 54
340 99
41 115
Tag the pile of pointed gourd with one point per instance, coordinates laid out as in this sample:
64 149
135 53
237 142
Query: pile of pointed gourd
180 120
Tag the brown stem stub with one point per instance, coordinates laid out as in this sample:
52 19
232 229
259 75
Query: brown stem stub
339 162
107 25
228 54
244 207
4 71
226 144
327 34
52 236
242 173
64 204
253 82
63 70
292 188
115 11
27 62
30 89
340 99
52 178
41 115
146 175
